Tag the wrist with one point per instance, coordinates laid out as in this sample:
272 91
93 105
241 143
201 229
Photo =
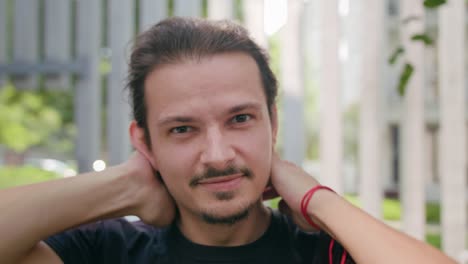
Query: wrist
128 189
316 204
319 209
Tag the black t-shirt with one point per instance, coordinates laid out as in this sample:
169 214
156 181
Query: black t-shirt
119 241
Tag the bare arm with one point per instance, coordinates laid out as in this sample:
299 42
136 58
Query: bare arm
366 239
41 253
34 212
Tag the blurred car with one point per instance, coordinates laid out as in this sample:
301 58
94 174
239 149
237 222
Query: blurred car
53 165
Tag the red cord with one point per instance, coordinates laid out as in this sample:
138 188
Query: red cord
330 251
343 257
304 204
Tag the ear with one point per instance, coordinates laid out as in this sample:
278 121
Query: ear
138 139
274 124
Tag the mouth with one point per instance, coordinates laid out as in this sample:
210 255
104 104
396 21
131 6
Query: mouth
222 183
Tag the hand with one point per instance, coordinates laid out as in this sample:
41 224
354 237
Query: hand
153 203
291 183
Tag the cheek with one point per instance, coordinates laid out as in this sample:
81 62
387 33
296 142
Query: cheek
257 149
174 163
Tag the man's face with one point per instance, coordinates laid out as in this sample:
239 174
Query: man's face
211 134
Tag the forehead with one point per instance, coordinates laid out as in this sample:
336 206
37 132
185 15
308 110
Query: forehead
209 83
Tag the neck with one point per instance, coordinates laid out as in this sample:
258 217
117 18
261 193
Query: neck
243 232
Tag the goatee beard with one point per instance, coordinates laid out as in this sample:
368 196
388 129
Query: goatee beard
211 172
227 220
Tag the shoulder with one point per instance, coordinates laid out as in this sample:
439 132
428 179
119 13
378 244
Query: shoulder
125 228
131 235
115 228
95 240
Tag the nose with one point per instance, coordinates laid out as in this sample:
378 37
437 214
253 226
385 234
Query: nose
217 150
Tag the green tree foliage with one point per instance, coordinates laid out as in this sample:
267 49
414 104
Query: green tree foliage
424 37
26 118
16 176
434 3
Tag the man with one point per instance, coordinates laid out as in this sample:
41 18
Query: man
205 125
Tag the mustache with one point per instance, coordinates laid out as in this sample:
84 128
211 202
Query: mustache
213 173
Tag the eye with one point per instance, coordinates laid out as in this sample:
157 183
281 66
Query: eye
181 129
241 118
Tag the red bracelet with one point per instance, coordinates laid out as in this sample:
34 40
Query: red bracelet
305 203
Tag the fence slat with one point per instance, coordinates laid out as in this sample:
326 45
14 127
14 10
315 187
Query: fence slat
88 89
453 133
293 85
412 187
220 9
253 20
25 39
370 131
121 32
152 11
3 39
331 132
188 8
57 39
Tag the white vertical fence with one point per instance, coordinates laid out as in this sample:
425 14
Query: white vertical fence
151 11
57 42
25 39
121 31
413 125
331 134
452 138
221 9
371 115
3 35
292 67
254 20
88 97
188 8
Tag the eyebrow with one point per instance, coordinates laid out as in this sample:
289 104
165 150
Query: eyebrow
177 119
242 107
188 119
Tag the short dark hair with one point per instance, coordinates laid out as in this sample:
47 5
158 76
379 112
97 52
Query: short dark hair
177 39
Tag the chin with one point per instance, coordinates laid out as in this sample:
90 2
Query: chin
226 219
228 212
